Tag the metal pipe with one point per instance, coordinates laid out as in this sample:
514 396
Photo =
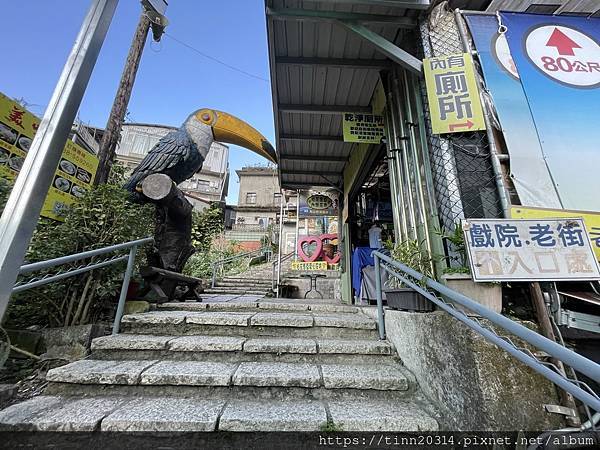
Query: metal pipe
495 158
24 204
297 224
280 242
417 168
61 276
393 180
578 362
124 287
405 156
395 142
379 295
34 267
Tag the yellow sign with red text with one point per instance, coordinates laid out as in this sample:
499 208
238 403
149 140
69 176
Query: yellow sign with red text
76 169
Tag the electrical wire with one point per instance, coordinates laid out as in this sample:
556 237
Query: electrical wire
212 58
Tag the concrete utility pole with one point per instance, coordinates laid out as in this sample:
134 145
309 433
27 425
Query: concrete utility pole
24 204
112 133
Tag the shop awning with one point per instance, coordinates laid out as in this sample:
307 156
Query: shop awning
324 61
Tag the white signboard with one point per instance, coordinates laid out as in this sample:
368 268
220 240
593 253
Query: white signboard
530 250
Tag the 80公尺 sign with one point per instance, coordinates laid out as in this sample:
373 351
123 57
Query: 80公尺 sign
452 94
530 250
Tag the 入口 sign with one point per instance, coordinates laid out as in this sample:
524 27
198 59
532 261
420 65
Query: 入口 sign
452 94
363 128
530 250
565 54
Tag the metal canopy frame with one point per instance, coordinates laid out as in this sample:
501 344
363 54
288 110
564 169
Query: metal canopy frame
295 114
311 14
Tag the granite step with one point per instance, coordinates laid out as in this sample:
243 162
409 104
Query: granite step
168 414
246 282
229 380
236 290
250 324
239 348
247 304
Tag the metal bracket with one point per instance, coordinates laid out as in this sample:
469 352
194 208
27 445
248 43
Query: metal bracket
562 410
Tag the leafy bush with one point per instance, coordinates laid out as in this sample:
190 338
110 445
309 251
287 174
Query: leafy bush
411 254
104 216
200 264
205 226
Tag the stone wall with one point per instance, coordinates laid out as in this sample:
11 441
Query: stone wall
474 384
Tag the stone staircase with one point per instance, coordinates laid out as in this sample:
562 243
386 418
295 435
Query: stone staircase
255 365
257 280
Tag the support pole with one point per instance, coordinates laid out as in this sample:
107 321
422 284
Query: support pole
124 287
112 133
280 242
297 225
537 298
24 204
380 311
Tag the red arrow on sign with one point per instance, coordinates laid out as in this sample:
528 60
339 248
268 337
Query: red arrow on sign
563 43
468 124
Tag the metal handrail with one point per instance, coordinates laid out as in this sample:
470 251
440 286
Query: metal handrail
48 264
274 279
219 264
428 288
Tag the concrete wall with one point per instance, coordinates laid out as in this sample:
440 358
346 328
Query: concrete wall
330 287
261 181
474 384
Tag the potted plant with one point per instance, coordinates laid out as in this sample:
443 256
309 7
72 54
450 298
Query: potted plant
400 296
458 276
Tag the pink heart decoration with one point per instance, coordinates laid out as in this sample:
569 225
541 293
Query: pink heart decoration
309 240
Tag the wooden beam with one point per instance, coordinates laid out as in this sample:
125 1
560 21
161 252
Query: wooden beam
407 4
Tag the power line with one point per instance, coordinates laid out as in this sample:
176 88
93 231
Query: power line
212 58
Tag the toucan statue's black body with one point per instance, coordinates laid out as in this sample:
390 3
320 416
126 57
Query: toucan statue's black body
179 155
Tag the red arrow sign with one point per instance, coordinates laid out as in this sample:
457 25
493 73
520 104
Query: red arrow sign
563 43
468 124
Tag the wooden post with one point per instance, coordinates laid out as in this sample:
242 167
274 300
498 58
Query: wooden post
546 330
112 133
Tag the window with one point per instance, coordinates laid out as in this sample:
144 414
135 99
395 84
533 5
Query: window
277 198
251 198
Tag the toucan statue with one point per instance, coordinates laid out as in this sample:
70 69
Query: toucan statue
174 159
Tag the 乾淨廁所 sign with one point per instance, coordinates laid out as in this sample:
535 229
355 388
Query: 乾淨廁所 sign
362 128
452 94
530 250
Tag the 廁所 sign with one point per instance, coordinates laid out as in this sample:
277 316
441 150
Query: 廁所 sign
76 169
452 94
530 250
362 128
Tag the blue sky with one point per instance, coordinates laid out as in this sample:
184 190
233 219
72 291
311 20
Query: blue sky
172 80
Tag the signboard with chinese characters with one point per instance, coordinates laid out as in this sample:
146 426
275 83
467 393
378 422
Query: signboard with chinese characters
591 220
363 128
314 203
530 250
314 265
452 94
75 172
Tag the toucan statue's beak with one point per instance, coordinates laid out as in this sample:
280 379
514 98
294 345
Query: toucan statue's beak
231 130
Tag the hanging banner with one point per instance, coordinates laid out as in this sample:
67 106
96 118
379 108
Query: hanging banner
558 60
363 128
591 220
76 169
530 250
452 94
528 168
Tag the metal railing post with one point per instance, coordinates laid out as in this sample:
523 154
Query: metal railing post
214 275
124 288
380 312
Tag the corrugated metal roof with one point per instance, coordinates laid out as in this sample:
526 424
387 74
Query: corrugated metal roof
579 7
298 81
